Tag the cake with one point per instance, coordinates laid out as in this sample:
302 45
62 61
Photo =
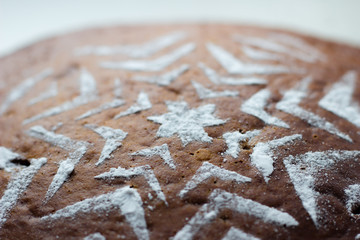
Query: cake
180 132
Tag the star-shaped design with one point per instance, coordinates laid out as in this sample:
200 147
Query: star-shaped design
187 123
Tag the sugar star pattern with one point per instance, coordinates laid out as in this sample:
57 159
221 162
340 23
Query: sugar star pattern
187 123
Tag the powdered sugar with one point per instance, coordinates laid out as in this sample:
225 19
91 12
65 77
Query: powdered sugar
136 51
6 158
339 99
187 123
76 151
145 171
233 139
113 139
126 200
24 87
17 186
162 151
219 200
51 92
95 236
235 66
142 103
353 197
237 234
302 170
215 78
151 65
207 93
263 155
113 104
164 79
88 92
259 55
208 170
255 106
290 104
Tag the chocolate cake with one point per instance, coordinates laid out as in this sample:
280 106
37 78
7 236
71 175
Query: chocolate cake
180 132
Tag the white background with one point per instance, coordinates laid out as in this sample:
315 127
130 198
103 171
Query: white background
25 21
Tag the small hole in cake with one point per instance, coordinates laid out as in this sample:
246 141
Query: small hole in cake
241 130
315 136
23 162
356 208
246 146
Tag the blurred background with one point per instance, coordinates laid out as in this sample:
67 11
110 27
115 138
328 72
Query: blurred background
23 22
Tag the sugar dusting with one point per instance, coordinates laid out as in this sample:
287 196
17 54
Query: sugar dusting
17 186
205 93
136 51
235 66
127 200
113 104
20 90
233 139
217 79
113 139
94 236
51 92
339 99
76 151
142 103
255 106
6 158
208 170
88 93
220 199
162 151
187 123
290 104
352 193
154 65
145 171
164 79
237 234
302 170
256 54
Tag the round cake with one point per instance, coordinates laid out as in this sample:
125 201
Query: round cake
180 132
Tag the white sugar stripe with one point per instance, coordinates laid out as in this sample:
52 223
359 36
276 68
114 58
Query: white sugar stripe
51 92
352 197
233 139
117 88
208 170
95 236
157 64
164 79
263 154
255 106
259 55
266 44
136 51
357 237
237 234
142 103
113 104
215 78
207 93
339 99
17 186
88 93
162 151
113 140
235 66
145 171
219 200
302 170
290 104
6 156
24 87
126 200
187 123
76 151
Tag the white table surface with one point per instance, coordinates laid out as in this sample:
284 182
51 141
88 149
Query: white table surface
23 22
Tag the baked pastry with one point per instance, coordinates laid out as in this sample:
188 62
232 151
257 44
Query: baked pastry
180 132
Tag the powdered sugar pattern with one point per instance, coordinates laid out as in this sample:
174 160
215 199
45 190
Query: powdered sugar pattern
145 171
208 170
95 236
237 234
220 199
255 106
17 186
126 200
162 151
259 54
142 103
113 104
154 65
233 139
187 123
51 92
6 158
205 93
353 197
113 139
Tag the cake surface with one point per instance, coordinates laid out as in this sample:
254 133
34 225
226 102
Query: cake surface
180 132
